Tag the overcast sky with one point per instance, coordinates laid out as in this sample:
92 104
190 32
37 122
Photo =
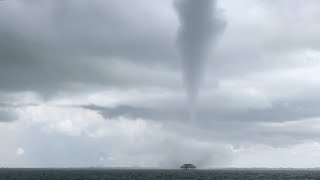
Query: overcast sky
100 83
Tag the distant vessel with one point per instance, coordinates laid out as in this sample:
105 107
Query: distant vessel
188 167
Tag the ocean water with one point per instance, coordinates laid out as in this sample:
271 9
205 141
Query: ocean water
97 174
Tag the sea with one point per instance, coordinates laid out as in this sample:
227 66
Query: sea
139 174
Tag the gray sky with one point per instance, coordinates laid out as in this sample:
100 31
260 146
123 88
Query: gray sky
100 83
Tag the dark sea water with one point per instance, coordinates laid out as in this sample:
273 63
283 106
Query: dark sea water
91 174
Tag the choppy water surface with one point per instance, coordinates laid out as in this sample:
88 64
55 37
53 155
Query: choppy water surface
91 174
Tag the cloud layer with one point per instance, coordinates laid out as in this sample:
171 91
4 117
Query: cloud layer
99 84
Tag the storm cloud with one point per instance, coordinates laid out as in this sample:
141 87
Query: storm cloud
101 83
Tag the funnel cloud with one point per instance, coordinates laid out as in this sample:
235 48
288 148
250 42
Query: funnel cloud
199 27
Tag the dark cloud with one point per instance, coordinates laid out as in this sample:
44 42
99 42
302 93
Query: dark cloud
52 44
277 112
157 113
